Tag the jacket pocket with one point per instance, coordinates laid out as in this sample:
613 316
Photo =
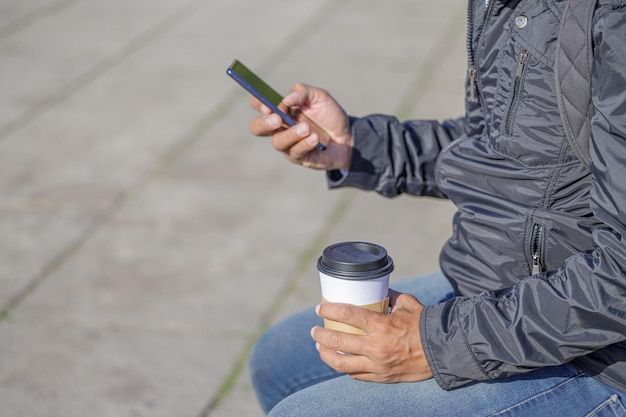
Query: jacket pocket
515 92
536 249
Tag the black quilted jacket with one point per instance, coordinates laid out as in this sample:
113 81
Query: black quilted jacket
538 251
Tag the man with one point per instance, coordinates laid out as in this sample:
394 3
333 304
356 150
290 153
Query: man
528 316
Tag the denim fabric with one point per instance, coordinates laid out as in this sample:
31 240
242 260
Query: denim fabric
561 391
291 380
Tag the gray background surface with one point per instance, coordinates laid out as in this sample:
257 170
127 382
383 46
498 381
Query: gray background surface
146 238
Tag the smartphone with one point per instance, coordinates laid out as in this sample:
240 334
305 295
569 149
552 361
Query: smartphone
268 96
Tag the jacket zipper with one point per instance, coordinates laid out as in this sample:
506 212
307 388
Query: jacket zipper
523 58
472 67
536 248
470 51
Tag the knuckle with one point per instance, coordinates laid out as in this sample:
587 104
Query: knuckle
381 325
335 341
341 366
345 313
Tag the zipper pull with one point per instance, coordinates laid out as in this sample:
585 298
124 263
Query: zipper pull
536 248
537 268
520 65
472 84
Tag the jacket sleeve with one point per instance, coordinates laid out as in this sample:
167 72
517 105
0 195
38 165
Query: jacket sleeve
555 317
392 158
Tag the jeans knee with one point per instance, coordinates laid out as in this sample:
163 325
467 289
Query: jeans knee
284 359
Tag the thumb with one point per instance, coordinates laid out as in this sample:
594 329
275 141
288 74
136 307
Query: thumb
402 301
298 96
393 298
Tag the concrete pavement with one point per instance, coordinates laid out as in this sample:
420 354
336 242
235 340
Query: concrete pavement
146 238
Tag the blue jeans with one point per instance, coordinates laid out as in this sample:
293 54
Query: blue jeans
290 380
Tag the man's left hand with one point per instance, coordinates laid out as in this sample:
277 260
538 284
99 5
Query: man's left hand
390 350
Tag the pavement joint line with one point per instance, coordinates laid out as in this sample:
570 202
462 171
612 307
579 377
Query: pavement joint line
33 16
102 67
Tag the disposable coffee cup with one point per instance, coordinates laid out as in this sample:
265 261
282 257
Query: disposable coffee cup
355 273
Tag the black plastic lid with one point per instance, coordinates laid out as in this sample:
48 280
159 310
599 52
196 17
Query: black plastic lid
355 260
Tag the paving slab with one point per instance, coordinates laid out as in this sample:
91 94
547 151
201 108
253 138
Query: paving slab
145 237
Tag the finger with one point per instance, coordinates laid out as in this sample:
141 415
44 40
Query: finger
302 149
345 363
374 377
299 95
259 106
296 141
293 99
393 297
337 341
348 314
265 125
365 377
406 302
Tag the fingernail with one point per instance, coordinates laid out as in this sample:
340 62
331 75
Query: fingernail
274 121
317 347
313 332
302 129
313 139
317 309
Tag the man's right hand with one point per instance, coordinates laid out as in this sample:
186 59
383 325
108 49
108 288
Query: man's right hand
299 143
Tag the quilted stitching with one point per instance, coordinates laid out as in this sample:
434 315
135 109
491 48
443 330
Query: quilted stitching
573 75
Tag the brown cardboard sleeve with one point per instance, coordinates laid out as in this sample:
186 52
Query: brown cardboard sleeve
379 307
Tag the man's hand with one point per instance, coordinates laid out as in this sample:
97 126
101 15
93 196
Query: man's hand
391 349
299 143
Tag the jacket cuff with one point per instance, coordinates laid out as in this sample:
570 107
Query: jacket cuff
446 348
366 153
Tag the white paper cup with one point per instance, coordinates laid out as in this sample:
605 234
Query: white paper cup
355 273
357 292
